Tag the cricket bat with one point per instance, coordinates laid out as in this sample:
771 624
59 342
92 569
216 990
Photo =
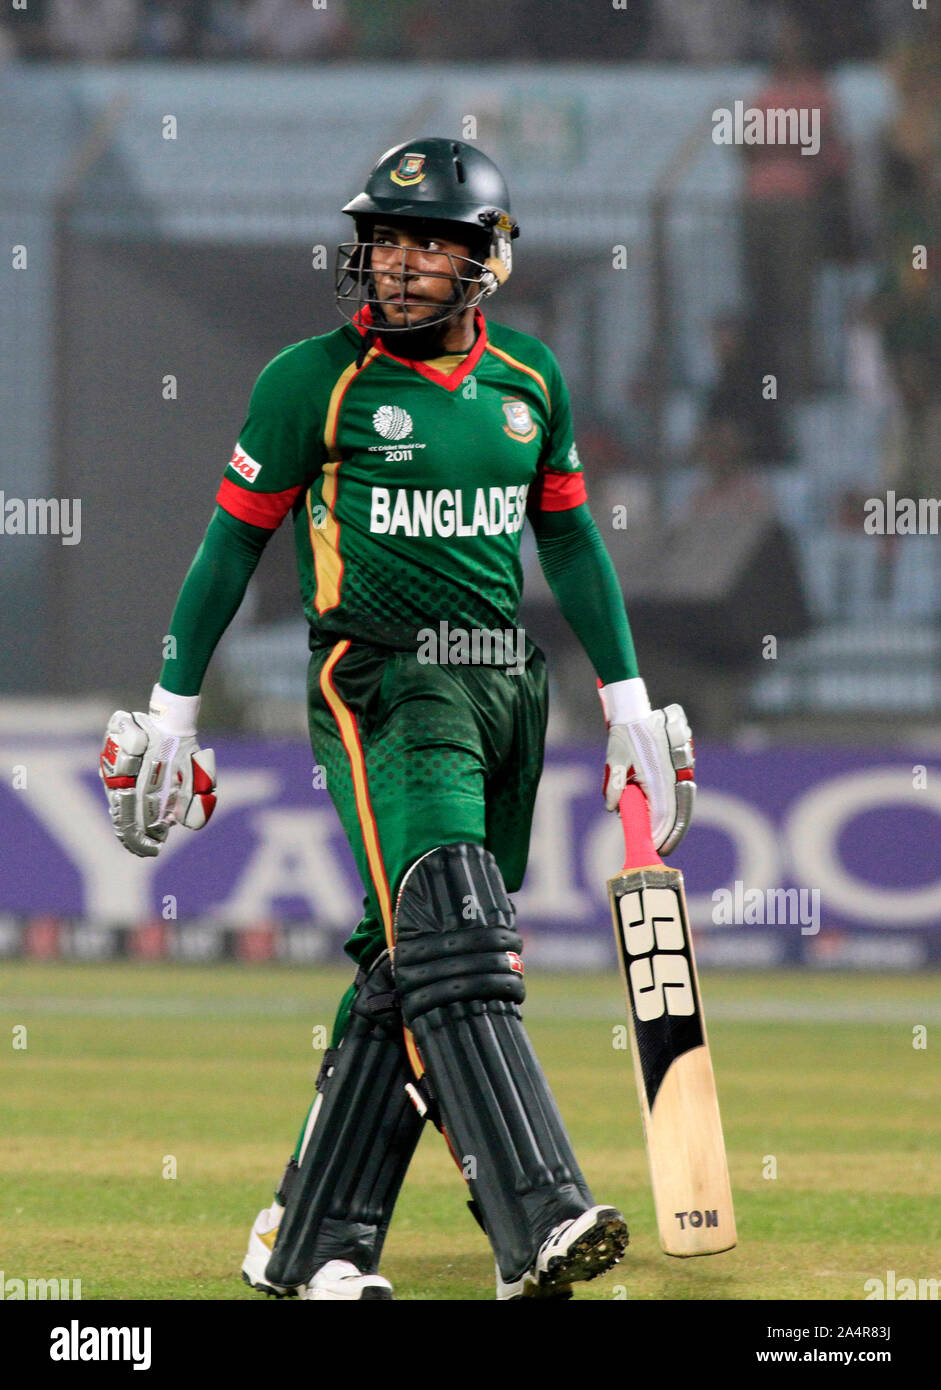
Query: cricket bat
672 1065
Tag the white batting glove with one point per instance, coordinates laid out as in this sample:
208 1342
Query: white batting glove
154 772
653 748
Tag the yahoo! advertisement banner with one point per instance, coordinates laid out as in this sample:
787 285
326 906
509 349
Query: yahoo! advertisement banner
797 848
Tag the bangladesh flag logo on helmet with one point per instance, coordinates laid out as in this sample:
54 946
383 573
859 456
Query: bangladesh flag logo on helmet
410 169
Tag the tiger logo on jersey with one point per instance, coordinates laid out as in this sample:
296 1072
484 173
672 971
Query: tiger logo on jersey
410 169
519 423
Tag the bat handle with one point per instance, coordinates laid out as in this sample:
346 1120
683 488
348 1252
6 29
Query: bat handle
640 851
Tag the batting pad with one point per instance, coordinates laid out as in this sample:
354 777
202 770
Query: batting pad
341 1198
459 976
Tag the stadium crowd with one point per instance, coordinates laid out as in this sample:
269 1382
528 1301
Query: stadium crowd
685 31
802 223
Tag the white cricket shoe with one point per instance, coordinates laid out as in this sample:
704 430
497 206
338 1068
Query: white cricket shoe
579 1249
338 1279
260 1245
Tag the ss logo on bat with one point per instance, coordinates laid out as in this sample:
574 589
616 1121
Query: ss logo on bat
653 936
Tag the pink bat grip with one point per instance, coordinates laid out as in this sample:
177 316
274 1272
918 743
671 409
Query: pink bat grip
635 819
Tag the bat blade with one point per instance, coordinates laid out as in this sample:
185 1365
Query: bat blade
672 1063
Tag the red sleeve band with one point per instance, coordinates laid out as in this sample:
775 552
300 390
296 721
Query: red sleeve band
267 509
559 492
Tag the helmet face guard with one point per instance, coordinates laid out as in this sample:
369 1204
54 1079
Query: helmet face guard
472 279
450 186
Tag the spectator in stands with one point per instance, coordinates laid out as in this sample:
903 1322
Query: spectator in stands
294 31
26 30
382 31
894 21
226 32
92 30
786 201
504 31
839 31
576 32
731 488
908 302
425 33
737 405
7 45
716 32
179 28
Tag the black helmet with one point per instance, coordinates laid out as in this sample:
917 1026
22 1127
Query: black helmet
432 180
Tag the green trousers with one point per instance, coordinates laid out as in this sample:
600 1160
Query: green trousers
418 755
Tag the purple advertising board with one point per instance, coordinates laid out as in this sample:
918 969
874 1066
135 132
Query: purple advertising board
797 855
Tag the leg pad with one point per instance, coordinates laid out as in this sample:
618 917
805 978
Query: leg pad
459 975
340 1199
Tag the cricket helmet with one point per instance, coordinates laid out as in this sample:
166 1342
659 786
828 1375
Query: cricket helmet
431 182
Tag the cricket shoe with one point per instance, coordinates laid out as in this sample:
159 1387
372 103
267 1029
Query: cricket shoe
338 1279
579 1249
260 1245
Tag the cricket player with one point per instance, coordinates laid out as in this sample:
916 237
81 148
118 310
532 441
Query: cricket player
408 448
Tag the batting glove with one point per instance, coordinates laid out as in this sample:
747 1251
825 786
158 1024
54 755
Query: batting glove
653 748
154 772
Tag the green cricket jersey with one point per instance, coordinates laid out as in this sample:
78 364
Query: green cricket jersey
408 482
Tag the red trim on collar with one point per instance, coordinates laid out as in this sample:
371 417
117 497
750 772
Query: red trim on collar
449 380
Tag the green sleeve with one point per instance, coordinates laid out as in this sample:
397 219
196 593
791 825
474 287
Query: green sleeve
280 445
582 577
559 453
210 598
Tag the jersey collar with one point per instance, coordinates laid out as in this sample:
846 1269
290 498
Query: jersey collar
449 380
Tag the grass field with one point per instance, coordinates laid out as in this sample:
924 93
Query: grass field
126 1066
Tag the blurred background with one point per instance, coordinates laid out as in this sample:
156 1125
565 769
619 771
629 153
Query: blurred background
751 340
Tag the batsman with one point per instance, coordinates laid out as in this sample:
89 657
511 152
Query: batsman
408 448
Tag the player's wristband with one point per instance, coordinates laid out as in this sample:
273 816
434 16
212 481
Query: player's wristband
624 701
175 713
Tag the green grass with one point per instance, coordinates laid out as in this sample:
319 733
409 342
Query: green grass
126 1065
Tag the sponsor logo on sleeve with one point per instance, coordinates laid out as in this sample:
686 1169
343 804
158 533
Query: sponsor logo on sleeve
244 464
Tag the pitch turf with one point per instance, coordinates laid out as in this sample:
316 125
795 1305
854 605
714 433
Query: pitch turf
129 1067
